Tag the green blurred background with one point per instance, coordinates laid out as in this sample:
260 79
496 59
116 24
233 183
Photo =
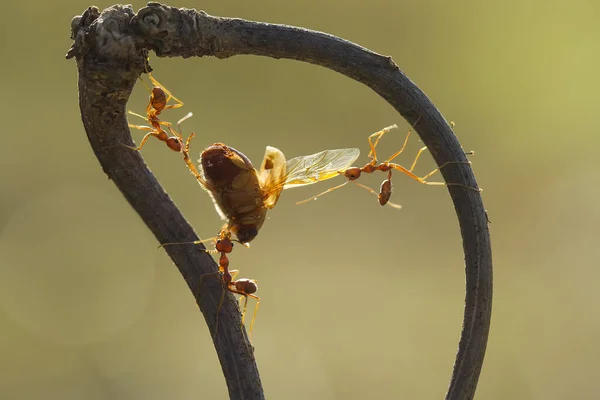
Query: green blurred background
359 301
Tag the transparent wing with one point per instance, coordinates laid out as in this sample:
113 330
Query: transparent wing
327 164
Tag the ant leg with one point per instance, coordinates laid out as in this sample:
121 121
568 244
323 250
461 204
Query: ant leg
167 92
421 150
161 122
158 133
142 143
147 118
255 311
394 205
412 167
186 152
209 274
443 165
234 273
422 180
210 251
136 114
172 105
378 136
218 312
407 172
190 164
449 184
321 194
231 287
144 82
365 187
396 154
142 127
245 298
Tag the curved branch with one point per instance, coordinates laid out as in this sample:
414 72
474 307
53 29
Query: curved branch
109 63
183 32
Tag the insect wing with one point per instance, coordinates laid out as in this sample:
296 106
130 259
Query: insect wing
271 175
327 164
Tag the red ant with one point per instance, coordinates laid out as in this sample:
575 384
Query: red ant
385 191
159 97
244 287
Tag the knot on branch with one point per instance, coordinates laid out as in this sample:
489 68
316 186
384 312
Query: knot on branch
107 34
171 31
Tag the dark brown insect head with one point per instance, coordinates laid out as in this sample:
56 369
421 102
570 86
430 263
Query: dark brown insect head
222 164
245 233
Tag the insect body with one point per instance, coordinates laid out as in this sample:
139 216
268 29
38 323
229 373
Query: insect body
243 195
244 287
385 192
158 102
236 190
159 99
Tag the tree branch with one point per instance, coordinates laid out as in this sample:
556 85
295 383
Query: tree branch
111 55
109 63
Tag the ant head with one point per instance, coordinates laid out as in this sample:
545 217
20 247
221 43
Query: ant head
224 245
174 144
352 173
246 233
